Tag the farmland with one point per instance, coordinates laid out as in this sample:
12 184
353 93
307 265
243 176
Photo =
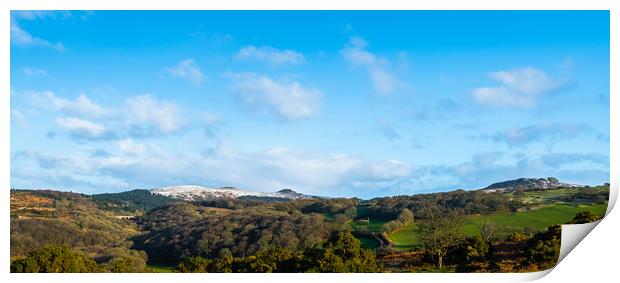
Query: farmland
392 234
530 220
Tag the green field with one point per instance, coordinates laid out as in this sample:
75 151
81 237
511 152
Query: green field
537 219
406 238
549 196
373 224
368 242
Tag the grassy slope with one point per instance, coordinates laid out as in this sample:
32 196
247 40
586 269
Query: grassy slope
406 238
374 225
549 196
537 219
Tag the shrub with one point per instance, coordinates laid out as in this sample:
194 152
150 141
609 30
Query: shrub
54 258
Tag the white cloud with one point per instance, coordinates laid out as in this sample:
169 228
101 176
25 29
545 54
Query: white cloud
289 100
377 67
188 70
356 55
83 129
18 118
312 170
130 147
521 136
66 172
518 88
486 168
146 115
270 55
388 131
82 106
268 170
34 72
383 80
525 80
21 37
41 14
272 169
140 116
389 169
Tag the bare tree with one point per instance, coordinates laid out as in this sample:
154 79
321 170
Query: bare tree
405 216
488 230
440 233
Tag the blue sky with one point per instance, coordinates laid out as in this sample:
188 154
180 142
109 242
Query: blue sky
329 103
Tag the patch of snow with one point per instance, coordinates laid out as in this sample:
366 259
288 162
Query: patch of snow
190 192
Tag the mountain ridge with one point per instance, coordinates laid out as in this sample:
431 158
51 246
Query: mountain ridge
197 192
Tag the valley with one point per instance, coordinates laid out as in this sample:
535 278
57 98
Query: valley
187 229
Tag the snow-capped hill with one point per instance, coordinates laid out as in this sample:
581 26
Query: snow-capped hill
204 193
528 184
290 194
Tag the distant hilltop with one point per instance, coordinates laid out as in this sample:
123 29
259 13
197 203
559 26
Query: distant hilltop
192 193
528 184
198 193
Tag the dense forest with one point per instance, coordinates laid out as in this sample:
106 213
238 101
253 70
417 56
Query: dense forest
425 206
130 201
459 231
43 218
182 230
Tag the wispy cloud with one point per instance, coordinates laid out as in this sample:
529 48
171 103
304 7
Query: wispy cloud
34 72
287 99
266 170
147 115
187 70
520 136
18 118
489 167
521 87
388 131
561 159
139 117
23 38
83 129
81 106
270 55
382 78
332 174
41 14
20 37
129 146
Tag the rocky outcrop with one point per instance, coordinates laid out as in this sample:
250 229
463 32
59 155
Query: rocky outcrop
193 193
528 184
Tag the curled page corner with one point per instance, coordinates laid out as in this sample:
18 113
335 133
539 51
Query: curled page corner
613 194
531 276
572 235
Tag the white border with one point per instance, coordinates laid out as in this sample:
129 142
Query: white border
595 248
